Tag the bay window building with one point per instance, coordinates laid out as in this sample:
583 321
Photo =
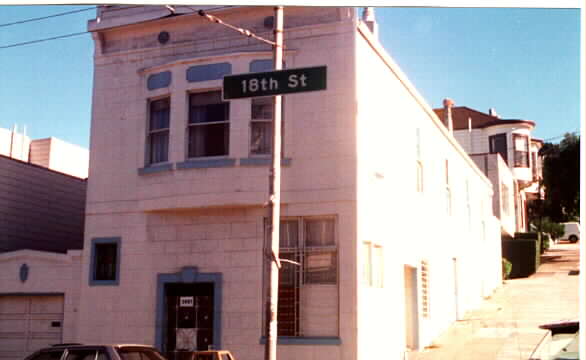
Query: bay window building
176 238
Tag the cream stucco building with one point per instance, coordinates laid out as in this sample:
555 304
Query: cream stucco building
390 219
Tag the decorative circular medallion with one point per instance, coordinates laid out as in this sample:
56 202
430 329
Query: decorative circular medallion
163 37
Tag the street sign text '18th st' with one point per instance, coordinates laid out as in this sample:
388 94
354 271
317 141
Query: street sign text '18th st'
274 82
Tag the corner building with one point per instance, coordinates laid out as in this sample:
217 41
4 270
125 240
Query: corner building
390 220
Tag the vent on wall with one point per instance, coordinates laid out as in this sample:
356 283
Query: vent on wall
424 288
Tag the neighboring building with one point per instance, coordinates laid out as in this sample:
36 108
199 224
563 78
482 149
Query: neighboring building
391 252
480 133
41 236
52 153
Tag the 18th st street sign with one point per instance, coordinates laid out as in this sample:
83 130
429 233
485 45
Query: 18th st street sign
274 82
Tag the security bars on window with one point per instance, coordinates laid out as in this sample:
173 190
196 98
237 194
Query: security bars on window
311 243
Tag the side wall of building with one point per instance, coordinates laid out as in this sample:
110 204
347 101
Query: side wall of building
40 209
424 201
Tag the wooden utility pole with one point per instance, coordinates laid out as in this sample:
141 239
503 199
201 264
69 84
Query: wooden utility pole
275 201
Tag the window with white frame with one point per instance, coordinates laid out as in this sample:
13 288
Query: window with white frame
209 125
261 126
158 131
448 189
308 292
521 143
505 199
372 265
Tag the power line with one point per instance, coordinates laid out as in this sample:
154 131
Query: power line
43 40
72 34
47 17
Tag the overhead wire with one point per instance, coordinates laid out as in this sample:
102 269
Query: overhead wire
78 33
47 17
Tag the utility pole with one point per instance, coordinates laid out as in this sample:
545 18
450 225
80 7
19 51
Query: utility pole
275 200
271 253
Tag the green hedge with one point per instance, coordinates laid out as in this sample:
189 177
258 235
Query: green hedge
524 252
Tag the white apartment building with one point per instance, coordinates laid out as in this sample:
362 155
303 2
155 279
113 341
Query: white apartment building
391 221
482 134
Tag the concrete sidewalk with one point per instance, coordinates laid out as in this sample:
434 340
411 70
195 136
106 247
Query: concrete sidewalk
506 325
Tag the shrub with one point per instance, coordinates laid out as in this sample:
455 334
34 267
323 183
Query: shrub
507 268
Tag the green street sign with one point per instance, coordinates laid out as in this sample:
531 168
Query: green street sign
274 82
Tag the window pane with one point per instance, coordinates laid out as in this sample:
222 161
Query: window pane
158 147
81 355
289 234
209 113
159 116
289 292
262 109
498 144
261 137
320 267
208 107
377 266
209 140
106 261
319 233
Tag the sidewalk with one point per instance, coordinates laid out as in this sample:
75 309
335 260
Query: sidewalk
506 325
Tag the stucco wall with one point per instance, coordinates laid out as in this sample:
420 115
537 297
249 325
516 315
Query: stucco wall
212 218
48 273
415 226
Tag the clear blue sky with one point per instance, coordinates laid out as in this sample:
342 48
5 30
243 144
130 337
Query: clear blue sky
523 62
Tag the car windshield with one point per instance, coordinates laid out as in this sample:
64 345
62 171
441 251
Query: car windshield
139 354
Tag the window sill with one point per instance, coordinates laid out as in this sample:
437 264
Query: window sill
155 168
206 163
104 283
305 340
262 161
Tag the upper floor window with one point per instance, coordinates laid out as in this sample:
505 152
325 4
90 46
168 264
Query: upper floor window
261 126
498 144
521 150
209 125
158 133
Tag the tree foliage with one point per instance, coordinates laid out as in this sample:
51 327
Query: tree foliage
561 179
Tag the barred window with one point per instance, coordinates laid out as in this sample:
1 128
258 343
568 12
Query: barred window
308 292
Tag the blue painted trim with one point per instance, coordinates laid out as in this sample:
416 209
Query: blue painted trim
92 272
261 65
262 161
206 163
159 80
188 275
310 340
155 168
208 72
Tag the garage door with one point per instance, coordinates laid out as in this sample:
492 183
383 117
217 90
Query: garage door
28 323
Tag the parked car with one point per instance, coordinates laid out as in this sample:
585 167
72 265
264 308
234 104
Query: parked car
96 352
571 232
207 355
